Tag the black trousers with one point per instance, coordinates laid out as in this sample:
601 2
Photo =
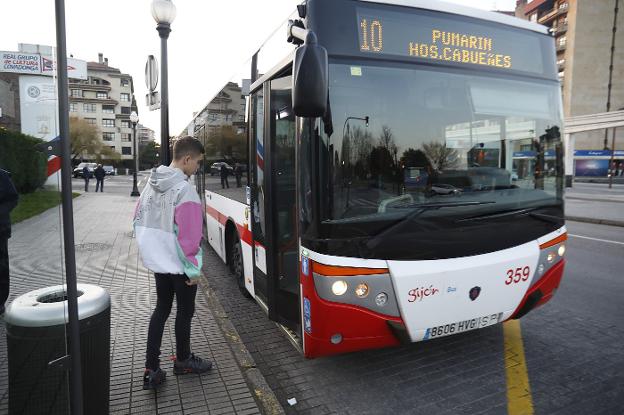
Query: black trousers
99 184
4 269
166 286
224 182
86 180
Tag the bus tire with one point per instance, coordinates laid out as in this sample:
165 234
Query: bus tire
236 265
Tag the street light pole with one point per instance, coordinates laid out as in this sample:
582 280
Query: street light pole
164 12
134 118
73 333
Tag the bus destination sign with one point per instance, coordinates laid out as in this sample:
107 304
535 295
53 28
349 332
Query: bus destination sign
437 39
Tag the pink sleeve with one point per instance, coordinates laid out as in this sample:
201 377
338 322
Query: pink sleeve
188 217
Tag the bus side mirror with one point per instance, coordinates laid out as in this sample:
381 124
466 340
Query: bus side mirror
310 84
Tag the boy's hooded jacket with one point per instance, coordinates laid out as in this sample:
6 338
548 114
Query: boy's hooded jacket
168 224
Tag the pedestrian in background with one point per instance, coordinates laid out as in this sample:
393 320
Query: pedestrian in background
168 227
86 175
238 172
8 201
99 174
224 176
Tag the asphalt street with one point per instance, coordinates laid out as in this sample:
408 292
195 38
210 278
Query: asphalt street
572 347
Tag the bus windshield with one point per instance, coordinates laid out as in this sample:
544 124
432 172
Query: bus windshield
401 137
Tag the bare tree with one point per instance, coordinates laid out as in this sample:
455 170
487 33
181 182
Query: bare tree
440 156
85 139
386 140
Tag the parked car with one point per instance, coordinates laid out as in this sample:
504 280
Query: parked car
109 170
215 168
78 169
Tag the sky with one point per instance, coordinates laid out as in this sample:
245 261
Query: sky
209 41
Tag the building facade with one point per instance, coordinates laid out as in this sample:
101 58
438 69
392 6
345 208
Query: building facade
144 134
589 39
105 99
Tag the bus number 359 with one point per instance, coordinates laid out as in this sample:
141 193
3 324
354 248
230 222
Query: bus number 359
517 275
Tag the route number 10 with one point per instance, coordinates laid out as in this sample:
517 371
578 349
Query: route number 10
372 37
517 275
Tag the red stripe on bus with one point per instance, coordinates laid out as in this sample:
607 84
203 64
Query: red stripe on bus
555 241
243 232
338 271
222 219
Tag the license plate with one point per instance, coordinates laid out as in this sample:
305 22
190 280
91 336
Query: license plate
462 326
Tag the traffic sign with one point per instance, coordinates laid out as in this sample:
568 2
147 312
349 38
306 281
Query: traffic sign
151 73
152 100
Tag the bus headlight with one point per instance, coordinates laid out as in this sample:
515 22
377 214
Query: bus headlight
561 250
361 290
381 299
339 287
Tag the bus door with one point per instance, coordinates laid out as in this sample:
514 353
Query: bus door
273 196
284 305
258 166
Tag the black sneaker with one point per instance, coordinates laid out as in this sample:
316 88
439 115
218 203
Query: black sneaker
152 379
193 364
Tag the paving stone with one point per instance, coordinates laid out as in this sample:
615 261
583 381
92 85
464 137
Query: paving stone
104 221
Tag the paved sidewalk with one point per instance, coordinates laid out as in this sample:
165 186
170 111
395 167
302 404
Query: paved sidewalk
595 203
107 255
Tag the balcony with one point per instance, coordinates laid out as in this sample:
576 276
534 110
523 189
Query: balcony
561 29
547 17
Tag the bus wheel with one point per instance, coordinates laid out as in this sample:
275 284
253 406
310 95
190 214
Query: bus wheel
236 266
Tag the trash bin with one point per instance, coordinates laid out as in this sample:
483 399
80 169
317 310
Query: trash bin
36 336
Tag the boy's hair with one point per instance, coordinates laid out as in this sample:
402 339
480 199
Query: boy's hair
187 146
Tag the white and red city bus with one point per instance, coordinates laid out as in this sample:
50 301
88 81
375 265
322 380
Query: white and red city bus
399 181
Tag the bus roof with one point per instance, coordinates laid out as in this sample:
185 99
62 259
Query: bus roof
445 7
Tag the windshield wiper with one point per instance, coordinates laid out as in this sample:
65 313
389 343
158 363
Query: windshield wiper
516 212
423 207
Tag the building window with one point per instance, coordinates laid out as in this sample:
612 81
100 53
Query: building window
108 109
124 97
533 17
563 5
107 136
126 124
101 95
73 107
108 123
127 151
125 110
124 82
126 137
88 107
76 93
91 121
561 41
561 62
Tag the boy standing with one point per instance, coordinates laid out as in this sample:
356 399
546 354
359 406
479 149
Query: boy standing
168 225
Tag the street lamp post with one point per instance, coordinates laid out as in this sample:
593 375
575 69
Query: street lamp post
164 12
134 119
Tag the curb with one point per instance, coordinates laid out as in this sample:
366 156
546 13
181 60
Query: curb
266 399
596 221
594 200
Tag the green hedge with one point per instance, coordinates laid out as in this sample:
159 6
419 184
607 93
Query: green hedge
20 156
